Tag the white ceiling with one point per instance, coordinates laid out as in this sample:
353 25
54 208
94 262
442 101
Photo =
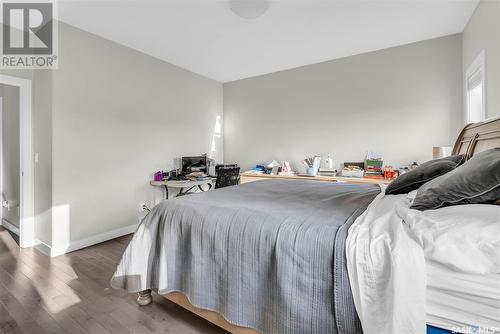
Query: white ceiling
206 37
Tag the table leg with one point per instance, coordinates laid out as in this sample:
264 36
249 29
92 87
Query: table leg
182 192
209 187
166 191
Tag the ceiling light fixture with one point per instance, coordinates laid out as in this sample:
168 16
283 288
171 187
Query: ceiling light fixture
249 9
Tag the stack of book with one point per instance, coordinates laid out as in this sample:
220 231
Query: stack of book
353 169
331 172
373 168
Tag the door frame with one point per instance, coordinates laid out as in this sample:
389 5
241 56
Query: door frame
478 64
1 158
27 188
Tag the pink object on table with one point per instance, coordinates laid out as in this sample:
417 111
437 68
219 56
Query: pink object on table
159 176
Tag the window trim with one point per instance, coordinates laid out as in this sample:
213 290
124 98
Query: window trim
479 63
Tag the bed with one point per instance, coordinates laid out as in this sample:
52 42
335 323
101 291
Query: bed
270 256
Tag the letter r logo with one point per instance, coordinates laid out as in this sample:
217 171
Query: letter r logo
27 28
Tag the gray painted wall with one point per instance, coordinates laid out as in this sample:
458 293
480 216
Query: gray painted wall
399 101
11 152
483 33
119 115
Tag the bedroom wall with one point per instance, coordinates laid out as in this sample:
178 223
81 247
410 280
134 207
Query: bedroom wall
482 32
399 101
118 116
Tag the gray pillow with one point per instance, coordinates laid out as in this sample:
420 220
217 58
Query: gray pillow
475 182
427 171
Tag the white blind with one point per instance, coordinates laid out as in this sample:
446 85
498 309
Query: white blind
475 79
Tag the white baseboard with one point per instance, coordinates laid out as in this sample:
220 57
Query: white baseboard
42 247
82 243
9 226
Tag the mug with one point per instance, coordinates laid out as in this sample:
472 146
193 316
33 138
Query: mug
312 171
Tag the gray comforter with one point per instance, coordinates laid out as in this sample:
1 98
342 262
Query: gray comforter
269 255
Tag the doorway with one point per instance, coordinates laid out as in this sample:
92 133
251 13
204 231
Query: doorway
17 182
10 178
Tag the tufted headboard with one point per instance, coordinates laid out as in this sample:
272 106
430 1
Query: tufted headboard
478 137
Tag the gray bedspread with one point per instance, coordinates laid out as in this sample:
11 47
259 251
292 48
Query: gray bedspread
269 255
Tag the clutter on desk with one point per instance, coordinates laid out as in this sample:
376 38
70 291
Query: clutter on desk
390 173
260 168
403 170
202 176
195 164
273 164
353 169
311 171
187 168
372 155
286 169
275 170
159 176
328 164
179 179
373 165
308 162
273 167
219 166
256 171
268 169
197 176
330 172
164 175
312 165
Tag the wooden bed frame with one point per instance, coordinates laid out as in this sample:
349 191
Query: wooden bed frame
474 138
214 317
478 137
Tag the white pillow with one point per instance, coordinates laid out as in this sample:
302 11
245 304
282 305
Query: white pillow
463 237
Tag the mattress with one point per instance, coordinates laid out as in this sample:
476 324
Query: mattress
461 302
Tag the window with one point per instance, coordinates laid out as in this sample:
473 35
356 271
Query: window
475 90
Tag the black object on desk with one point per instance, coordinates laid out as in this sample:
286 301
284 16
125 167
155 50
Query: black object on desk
194 164
219 166
227 176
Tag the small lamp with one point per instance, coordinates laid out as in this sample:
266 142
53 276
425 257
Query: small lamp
441 152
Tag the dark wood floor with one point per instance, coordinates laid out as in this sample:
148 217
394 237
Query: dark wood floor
71 294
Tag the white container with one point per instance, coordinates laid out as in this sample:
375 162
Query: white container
316 163
328 162
311 171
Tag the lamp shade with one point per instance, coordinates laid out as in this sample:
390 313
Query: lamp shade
441 152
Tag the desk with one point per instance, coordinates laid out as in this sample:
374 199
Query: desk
249 177
182 185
